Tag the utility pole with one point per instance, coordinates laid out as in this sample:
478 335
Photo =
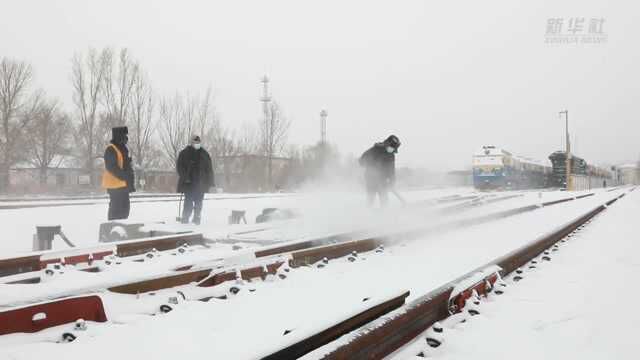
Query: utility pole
323 127
265 99
322 149
568 181
268 129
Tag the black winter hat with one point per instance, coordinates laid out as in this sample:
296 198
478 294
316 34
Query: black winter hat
118 133
392 141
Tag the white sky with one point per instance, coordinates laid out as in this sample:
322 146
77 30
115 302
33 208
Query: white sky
446 77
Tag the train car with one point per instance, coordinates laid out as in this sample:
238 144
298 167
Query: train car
579 167
559 165
495 168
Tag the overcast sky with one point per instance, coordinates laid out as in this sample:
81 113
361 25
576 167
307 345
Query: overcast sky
446 77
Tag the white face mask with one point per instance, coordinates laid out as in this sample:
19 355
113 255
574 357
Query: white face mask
197 146
390 150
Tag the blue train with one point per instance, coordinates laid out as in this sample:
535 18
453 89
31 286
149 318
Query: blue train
495 168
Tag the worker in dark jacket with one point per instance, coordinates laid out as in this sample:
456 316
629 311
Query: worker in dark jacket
195 173
380 169
118 177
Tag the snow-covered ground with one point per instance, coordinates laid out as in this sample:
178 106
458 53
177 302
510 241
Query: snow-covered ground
308 297
81 222
319 219
580 305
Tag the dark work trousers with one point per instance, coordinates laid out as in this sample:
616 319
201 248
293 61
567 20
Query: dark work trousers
118 204
381 190
192 203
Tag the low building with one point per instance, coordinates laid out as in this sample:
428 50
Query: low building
242 173
157 180
248 173
628 174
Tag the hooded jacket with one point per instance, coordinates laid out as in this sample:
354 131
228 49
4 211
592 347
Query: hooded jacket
195 170
380 166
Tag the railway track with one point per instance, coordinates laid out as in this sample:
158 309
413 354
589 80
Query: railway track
418 321
203 282
36 261
15 204
213 271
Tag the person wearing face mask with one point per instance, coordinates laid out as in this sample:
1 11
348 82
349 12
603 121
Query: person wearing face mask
195 173
118 176
379 163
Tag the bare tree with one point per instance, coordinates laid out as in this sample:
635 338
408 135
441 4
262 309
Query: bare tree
225 149
273 134
118 85
49 133
249 142
16 106
173 130
87 75
206 119
181 117
142 123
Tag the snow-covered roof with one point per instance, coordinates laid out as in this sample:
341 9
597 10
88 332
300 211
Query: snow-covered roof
492 151
58 162
527 160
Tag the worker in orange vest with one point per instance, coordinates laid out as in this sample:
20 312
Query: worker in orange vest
118 177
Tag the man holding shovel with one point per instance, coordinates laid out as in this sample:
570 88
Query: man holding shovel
195 173
380 170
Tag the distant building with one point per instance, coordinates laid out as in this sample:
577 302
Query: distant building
70 179
157 180
67 180
628 174
24 180
248 173
65 177
241 173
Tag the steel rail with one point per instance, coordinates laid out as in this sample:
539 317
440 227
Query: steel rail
389 333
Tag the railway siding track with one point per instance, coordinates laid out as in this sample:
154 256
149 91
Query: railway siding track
308 252
269 261
15 204
39 260
391 332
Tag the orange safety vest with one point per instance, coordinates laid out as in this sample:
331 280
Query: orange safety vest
109 181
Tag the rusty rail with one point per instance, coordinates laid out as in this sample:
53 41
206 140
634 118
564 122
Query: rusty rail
211 277
389 333
302 253
415 316
137 247
314 341
38 261
37 317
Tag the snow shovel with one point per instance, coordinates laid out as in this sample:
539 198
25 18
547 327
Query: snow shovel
397 194
179 217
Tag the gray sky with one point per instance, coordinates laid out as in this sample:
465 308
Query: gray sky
446 77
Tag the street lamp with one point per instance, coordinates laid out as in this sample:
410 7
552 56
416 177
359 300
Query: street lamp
568 152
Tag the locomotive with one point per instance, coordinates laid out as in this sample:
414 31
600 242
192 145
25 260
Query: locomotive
495 168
